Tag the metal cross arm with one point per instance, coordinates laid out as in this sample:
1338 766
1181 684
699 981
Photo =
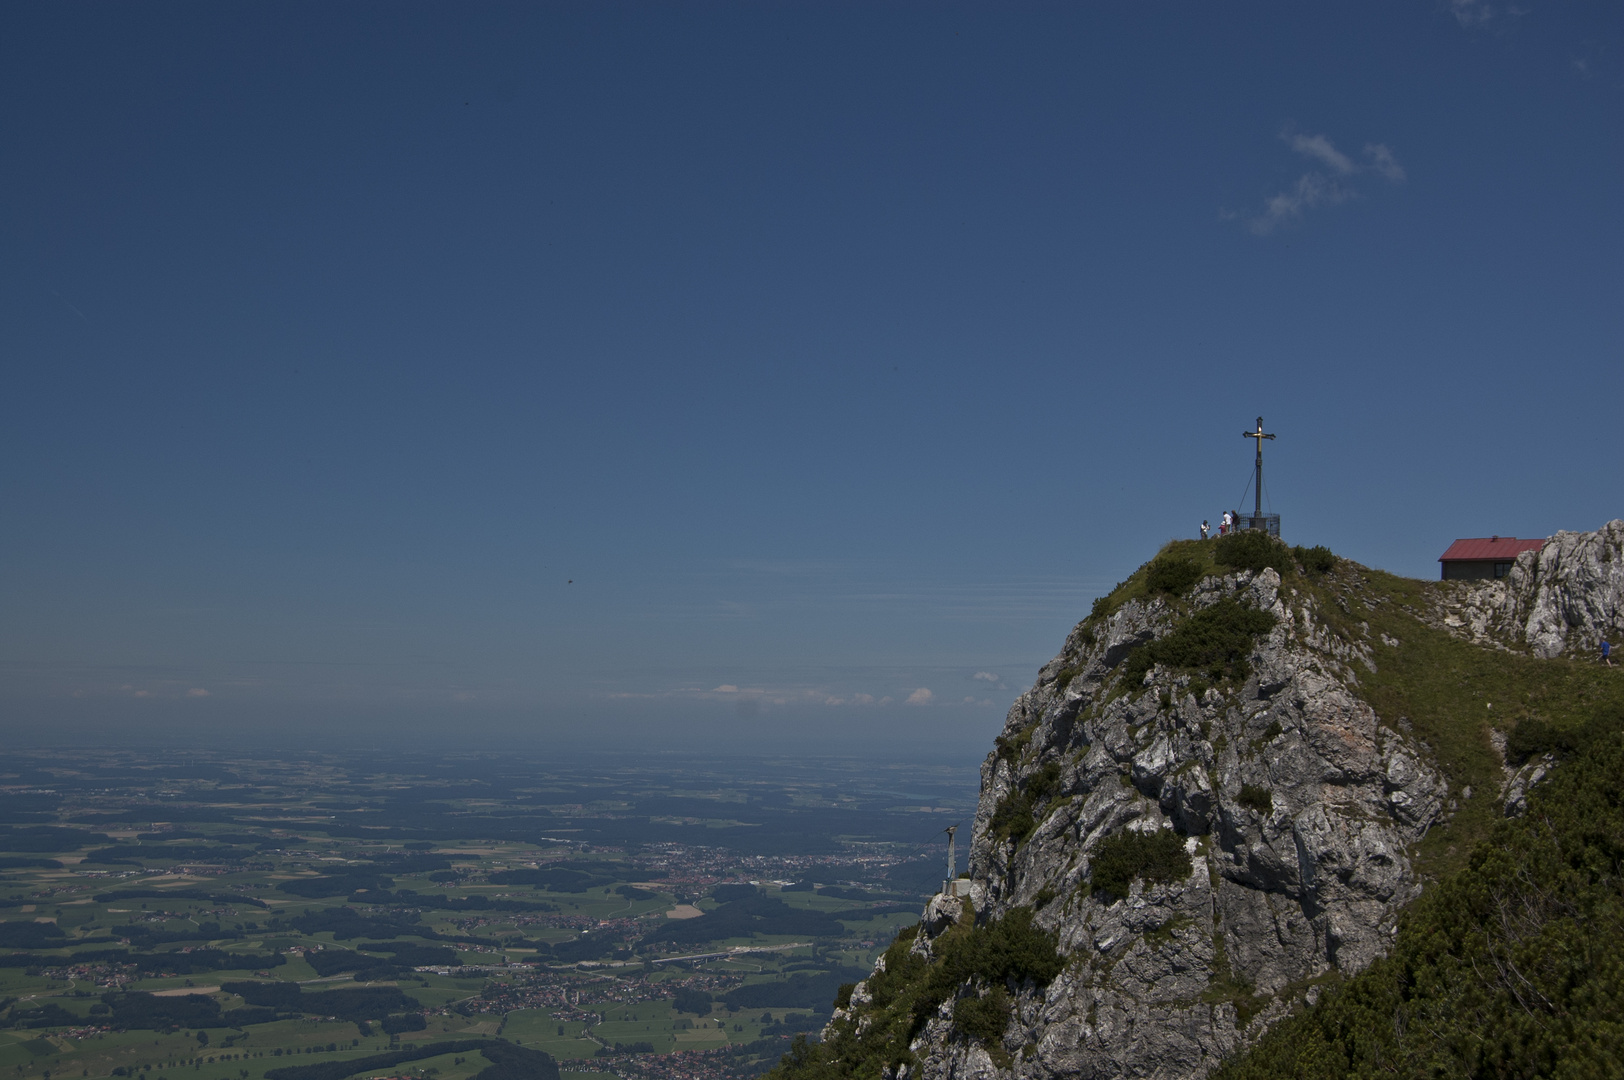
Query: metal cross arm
1259 435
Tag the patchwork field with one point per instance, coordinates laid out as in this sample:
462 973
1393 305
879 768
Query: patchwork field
238 919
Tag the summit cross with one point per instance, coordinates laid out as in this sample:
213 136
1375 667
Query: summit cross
1259 435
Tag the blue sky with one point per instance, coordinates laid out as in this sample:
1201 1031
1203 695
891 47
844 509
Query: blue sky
534 374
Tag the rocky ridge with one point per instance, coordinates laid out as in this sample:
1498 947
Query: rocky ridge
1294 810
1281 890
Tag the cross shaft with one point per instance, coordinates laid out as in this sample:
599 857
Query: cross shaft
1257 494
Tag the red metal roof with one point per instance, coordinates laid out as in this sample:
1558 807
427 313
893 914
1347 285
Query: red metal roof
1488 549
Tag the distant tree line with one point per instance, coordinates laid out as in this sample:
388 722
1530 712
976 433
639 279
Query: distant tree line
507 1062
204 895
174 963
753 914
47 838
351 1003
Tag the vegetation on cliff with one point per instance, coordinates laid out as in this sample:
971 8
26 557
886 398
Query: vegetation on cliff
1214 641
979 965
1014 816
1129 856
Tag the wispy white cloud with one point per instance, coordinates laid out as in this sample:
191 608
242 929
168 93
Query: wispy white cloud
726 688
921 696
1320 149
1383 161
1312 189
986 676
197 691
1471 12
1326 186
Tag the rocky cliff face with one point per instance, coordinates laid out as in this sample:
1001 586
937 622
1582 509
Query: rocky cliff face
1302 875
1565 598
1295 806
1199 804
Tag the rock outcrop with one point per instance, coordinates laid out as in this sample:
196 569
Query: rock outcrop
1295 805
1201 806
1567 597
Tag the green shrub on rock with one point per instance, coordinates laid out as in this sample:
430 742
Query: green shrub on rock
1127 855
983 1019
1255 798
1173 574
1014 816
1533 736
1251 549
1214 641
1002 956
1318 559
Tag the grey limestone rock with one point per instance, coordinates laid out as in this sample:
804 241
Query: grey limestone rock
1521 780
1169 979
1569 595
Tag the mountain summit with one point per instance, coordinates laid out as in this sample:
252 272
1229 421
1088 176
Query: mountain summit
1214 805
